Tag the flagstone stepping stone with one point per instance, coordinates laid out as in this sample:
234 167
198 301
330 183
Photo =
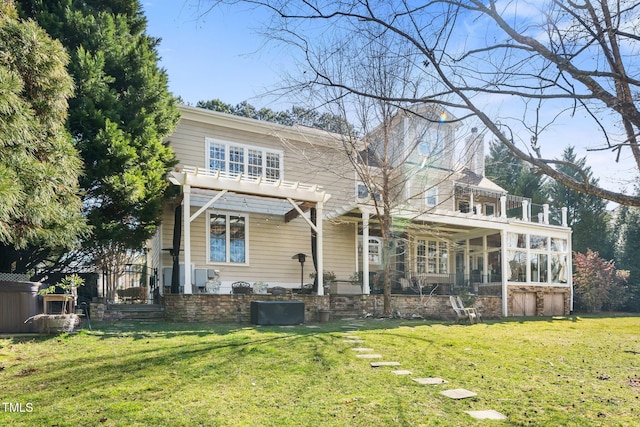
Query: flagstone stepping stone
429 381
401 372
362 349
348 319
458 393
379 364
369 356
352 341
312 326
489 414
352 337
349 327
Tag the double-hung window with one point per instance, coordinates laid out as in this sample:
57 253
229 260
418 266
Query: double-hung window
235 159
227 236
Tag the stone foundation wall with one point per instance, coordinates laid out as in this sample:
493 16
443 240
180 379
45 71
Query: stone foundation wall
236 308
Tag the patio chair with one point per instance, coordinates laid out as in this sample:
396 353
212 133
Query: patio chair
461 312
473 310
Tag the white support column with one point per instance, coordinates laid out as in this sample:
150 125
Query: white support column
503 206
485 261
366 289
186 220
564 216
525 210
503 255
545 213
357 244
471 201
570 271
478 209
319 248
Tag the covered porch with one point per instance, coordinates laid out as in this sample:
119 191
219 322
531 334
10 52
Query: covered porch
463 253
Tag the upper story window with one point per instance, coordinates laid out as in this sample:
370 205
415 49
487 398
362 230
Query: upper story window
431 143
362 192
236 159
431 197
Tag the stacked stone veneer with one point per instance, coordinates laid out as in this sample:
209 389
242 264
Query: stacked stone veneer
236 308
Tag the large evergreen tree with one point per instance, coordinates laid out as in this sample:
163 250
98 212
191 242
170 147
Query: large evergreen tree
626 228
118 117
586 214
513 174
40 207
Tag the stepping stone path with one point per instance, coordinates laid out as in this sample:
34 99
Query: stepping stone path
429 381
379 364
458 393
489 414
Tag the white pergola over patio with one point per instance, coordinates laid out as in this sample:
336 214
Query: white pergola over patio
299 195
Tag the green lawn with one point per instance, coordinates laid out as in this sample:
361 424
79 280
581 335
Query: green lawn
574 371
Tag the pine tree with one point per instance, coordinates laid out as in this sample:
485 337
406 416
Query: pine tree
586 214
119 115
40 207
513 174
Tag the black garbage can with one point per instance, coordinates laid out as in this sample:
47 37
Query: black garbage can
277 312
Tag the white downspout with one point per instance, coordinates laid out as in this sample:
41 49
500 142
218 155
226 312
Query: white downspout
186 220
319 248
505 295
366 289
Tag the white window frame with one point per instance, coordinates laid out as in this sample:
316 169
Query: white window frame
431 193
375 250
486 210
365 195
227 260
520 247
432 257
243 165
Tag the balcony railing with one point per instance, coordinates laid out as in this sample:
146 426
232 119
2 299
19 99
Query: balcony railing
451 284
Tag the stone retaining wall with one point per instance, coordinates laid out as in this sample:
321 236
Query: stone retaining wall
236 308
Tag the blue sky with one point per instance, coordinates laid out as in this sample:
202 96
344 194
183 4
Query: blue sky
220 55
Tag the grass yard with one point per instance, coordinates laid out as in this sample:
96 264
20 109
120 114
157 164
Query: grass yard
574 371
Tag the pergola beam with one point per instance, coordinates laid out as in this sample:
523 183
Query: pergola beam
294 192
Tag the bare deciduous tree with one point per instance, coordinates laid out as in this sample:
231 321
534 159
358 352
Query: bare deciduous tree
383 137
542 62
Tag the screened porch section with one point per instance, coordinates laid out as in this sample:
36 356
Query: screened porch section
429 265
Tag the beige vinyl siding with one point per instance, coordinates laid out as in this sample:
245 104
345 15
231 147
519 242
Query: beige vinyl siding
271 244
303 160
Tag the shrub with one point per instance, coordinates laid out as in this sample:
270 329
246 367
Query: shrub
597 284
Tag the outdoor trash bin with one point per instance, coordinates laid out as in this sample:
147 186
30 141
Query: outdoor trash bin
277 312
